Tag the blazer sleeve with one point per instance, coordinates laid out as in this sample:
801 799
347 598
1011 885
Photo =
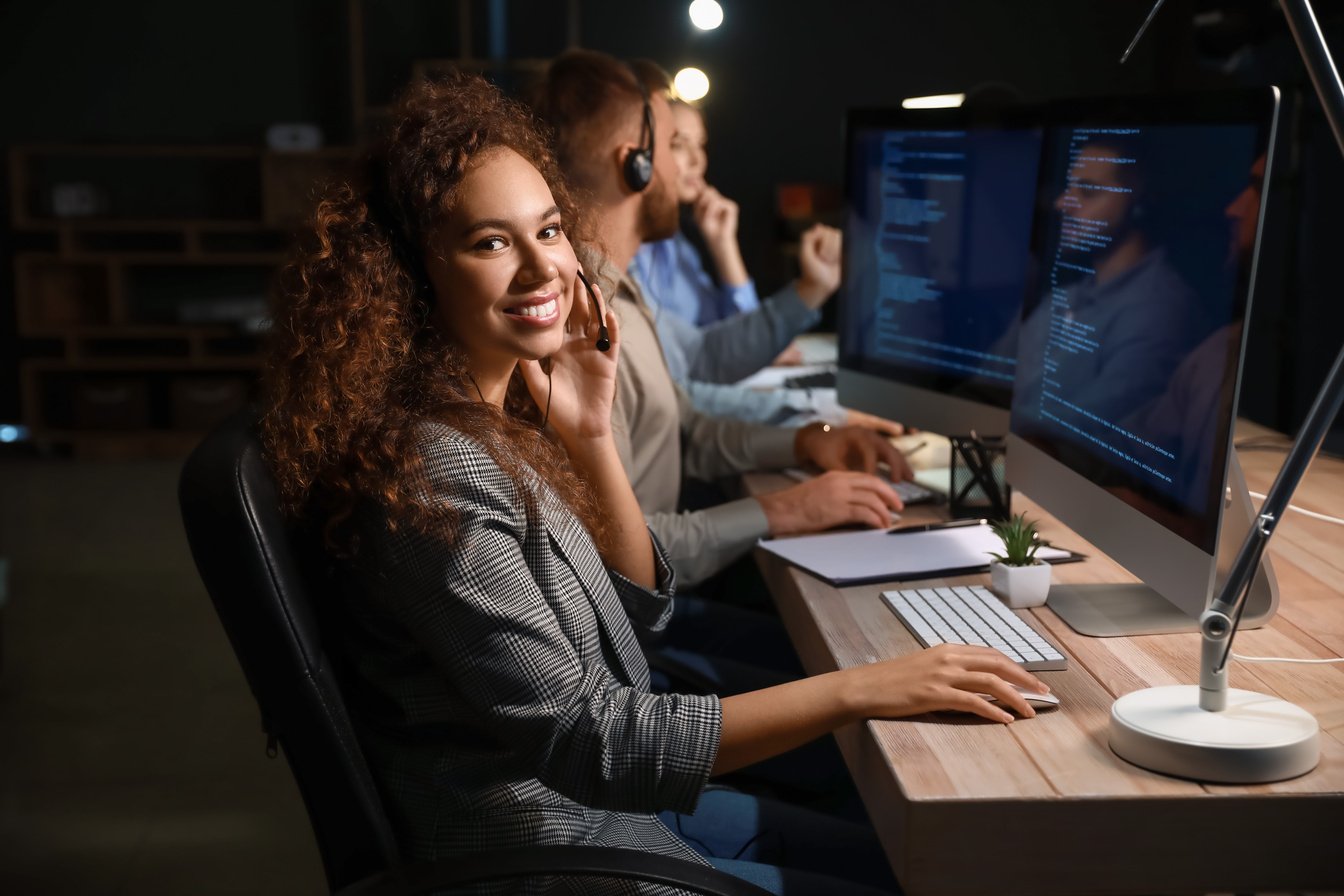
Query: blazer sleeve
484 620
650 610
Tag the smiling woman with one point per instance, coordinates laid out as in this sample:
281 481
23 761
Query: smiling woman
439 404
404 304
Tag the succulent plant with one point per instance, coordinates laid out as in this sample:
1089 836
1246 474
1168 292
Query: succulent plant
1019 541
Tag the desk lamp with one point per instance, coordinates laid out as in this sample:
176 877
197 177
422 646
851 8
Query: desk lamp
1213 732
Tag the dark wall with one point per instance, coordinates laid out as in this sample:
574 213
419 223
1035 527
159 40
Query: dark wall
783 73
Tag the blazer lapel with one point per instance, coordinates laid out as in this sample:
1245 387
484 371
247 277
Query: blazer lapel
573 544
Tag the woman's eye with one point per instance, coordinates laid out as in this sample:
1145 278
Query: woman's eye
491 244
550 231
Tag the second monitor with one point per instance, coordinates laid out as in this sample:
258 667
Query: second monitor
937 247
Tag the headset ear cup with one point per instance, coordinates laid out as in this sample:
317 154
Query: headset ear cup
638 169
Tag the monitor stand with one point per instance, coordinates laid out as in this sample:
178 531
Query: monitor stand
1106 611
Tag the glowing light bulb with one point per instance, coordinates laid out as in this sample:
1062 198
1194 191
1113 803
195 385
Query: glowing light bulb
691 84
706 14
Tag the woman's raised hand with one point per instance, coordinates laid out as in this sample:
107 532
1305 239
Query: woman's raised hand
583 379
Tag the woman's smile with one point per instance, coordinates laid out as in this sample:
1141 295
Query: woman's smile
539 311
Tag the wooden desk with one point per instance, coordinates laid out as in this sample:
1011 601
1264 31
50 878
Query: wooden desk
1043 806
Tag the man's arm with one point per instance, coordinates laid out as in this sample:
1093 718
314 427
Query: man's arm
732 349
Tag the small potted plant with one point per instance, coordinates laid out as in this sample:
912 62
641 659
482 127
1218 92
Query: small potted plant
1016 575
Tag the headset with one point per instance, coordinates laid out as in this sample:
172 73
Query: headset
603 338
638 167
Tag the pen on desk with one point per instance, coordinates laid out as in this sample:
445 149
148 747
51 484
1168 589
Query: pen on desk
934 527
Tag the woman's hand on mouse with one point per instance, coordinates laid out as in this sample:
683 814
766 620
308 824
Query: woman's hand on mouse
946 677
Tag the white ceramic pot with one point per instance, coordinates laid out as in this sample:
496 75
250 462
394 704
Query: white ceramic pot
1020 586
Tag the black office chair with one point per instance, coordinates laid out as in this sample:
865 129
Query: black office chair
260 578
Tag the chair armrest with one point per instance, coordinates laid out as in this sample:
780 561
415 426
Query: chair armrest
562 861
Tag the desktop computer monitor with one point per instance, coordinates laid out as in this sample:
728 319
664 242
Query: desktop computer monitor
938 222
1130 343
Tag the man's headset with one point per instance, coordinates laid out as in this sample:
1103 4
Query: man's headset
638 171
603 339
638 167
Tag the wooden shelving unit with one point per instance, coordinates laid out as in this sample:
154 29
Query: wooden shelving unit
142 314
138 310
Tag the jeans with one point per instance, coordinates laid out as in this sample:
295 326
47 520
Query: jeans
785 849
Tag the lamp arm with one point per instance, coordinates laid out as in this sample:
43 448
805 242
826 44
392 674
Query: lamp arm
1316 57
1218 624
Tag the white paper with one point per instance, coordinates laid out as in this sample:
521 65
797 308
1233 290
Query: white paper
876 555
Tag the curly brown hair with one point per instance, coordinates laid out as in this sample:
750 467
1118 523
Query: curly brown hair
356 358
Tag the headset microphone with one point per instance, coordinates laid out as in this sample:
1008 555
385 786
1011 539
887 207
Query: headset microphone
603 339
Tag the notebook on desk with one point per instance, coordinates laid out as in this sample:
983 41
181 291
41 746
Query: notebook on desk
886 555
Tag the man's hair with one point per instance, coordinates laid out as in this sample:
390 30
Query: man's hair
585 99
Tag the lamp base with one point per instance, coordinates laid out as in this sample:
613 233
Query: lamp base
1257 739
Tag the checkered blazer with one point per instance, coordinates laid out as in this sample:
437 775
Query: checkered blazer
502 696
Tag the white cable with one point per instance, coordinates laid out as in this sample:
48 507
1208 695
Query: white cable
1283 659
1311 513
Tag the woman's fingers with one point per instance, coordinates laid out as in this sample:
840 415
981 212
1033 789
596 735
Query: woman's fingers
980 706
580 310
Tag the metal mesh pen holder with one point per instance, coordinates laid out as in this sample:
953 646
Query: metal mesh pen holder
978 484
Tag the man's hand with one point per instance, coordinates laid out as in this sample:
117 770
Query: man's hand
819 260
848 448
831 499
872 421
792 356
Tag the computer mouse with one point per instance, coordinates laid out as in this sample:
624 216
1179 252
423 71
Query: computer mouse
1034 700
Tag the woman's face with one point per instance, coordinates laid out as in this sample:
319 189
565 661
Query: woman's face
688 148
502 268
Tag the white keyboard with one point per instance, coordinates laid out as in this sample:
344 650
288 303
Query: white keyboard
971 614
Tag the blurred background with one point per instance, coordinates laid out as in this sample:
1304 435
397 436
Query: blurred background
161 153
146 207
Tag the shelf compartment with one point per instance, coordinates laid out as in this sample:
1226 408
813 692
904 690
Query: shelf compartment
138 182
122 241
136 347
208 294
90 401
199 402
87 399
220 242
54 294
241 346
292 182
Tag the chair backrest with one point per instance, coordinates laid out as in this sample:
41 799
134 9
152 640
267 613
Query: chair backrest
262 579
